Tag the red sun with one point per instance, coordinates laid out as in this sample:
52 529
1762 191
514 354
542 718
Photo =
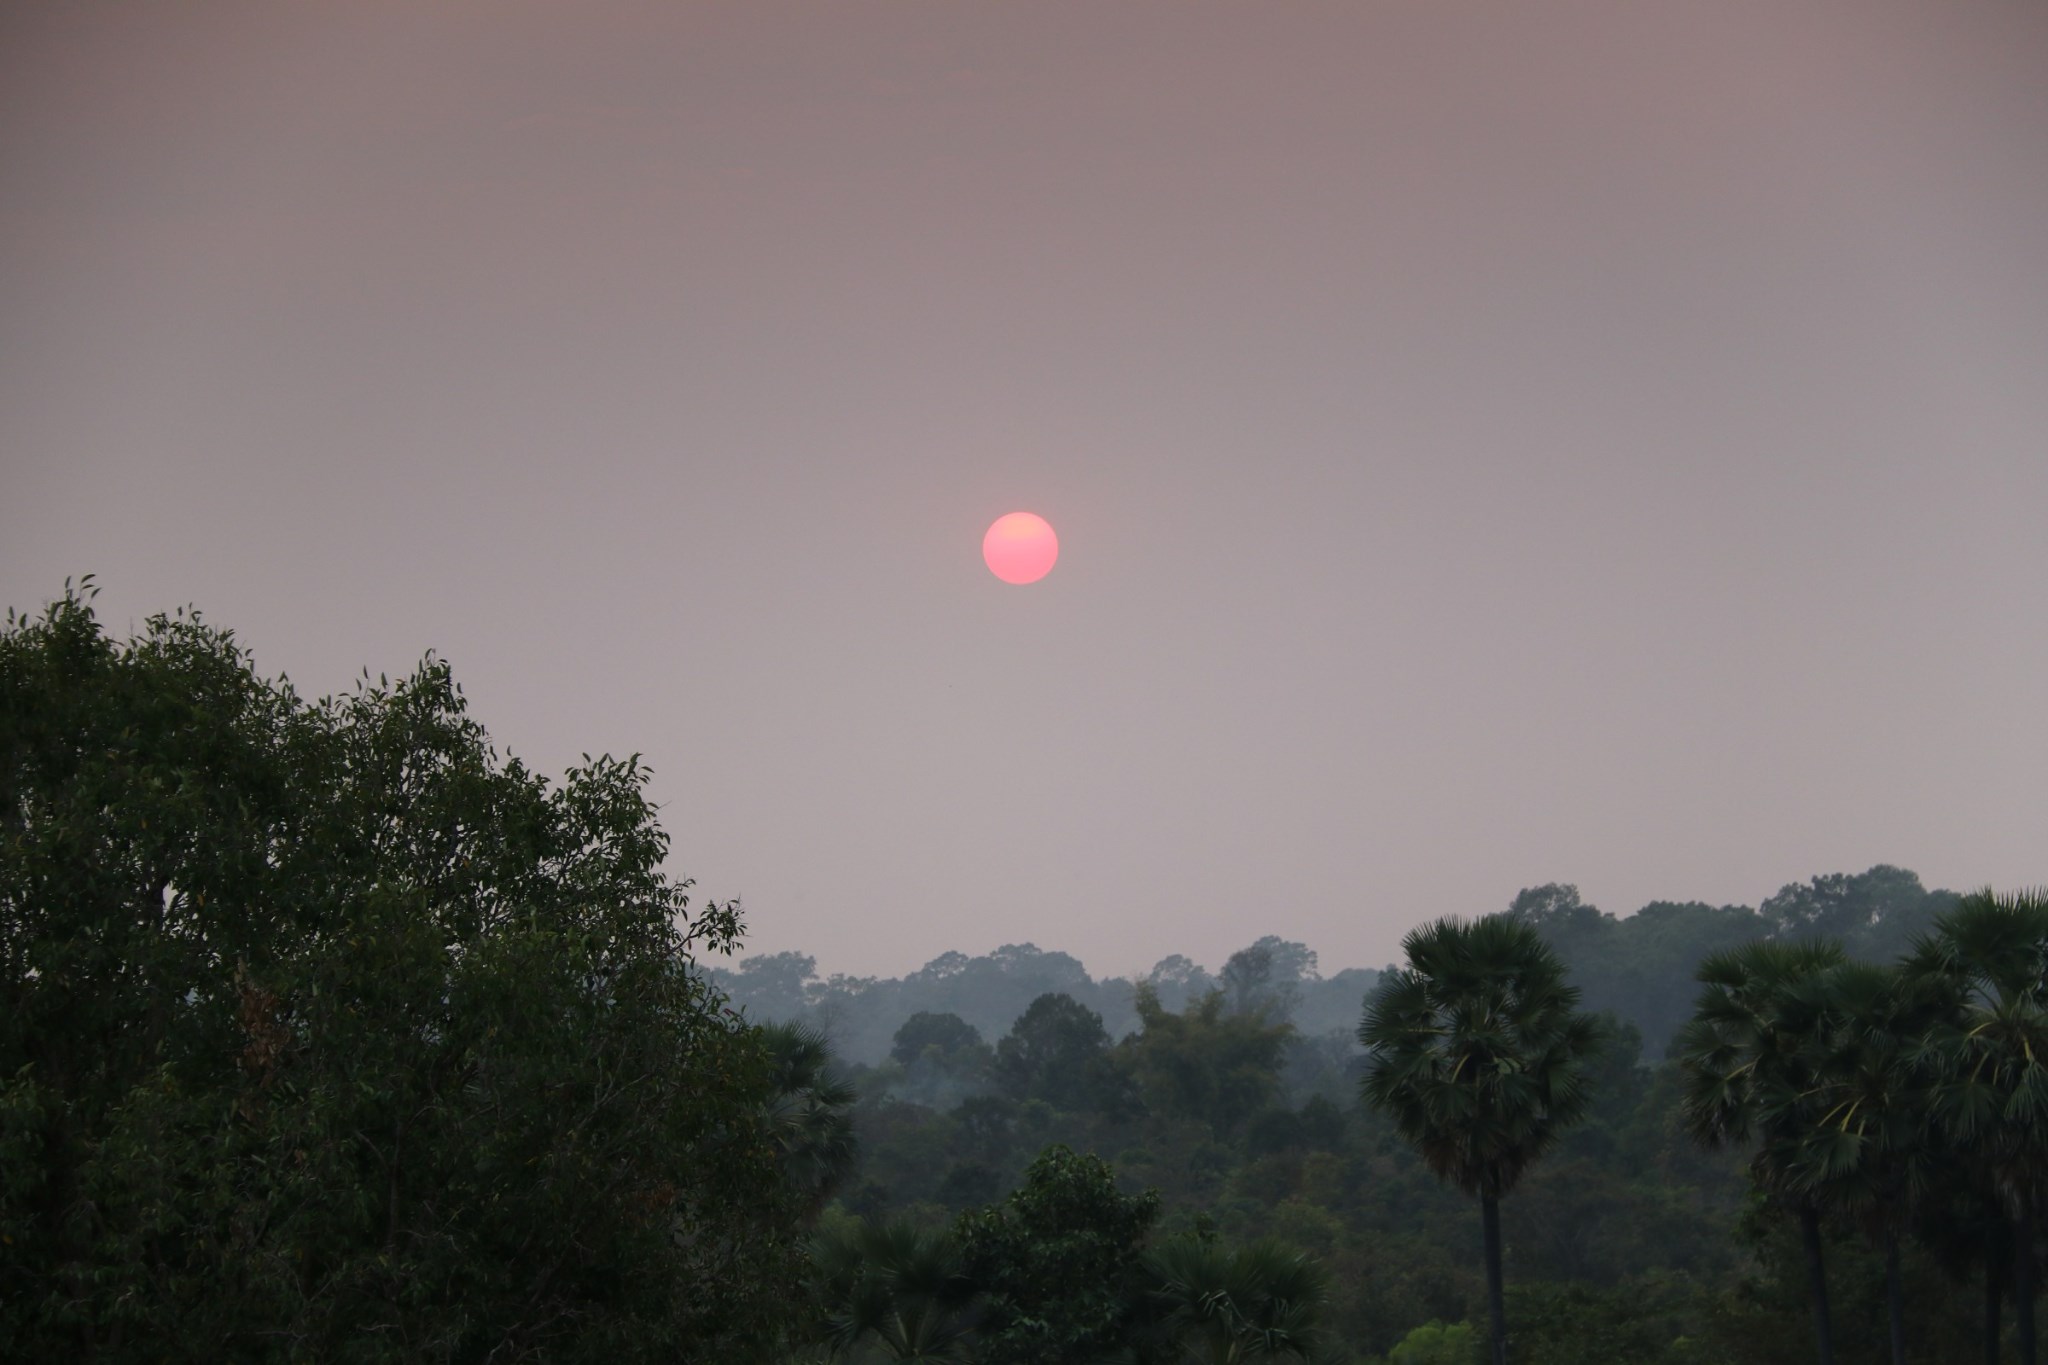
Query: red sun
1020 548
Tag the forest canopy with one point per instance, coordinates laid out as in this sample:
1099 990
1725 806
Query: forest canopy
330 1032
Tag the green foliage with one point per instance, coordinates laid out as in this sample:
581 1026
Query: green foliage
1058 1260
1433 1343
942 1058
1875 914
1204 1063
1644 1321
1476 1050
1872 1151
1992 1092
808 1112
1747 1073
1058 1051
892 1291
1267 977
1480 1058
329 1033
925 1033
1207 1304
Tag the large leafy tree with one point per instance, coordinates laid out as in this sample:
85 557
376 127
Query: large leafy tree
327 1031
1479 1056
1749 1061
1205 1062
1268 977
1058 1051
1059 1261
1991 1095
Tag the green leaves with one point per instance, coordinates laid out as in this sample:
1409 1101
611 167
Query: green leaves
1057 1260
1991 1093
1211 1303
324 1024
1477 1051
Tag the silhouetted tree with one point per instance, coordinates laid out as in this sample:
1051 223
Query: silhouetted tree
1058 1051
1991 1096
1204 1063
1750 1073
1871 1152
326 1030
1479 1056
809 1112
1267 977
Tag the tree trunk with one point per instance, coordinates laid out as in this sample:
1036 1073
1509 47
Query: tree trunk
1489 1214
1817 1285
1994 1283
2023 1279
1894 1298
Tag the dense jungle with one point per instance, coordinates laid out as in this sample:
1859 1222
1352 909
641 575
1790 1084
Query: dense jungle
332 1033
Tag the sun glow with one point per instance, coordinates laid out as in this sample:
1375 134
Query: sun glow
1020 548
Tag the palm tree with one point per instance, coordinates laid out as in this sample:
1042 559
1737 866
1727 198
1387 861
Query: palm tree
1870 1154
808 1111
1992 1095
1480 1057
1209 1305
891 1291
1962 1221
1749 1073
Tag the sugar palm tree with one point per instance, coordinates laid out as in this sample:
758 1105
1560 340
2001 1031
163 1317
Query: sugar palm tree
891 1291
1870 1154
1479 1056
1991 1099
1206 1304
1748 1063
808 1111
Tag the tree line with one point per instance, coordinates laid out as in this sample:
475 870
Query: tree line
1638 967
330 1032
1820 1118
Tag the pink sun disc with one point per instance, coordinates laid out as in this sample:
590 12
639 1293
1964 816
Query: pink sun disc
1020 548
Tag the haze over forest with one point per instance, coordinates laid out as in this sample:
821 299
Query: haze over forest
1475 446
1592 442
1639 966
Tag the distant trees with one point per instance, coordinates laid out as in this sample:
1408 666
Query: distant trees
1641 966
1479 1056
1267 977
325 1029
943 1058
1875 915
1204 1063
1058 1051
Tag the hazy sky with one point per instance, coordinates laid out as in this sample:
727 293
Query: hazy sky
1490 444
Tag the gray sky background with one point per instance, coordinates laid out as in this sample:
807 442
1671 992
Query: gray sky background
1490 444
